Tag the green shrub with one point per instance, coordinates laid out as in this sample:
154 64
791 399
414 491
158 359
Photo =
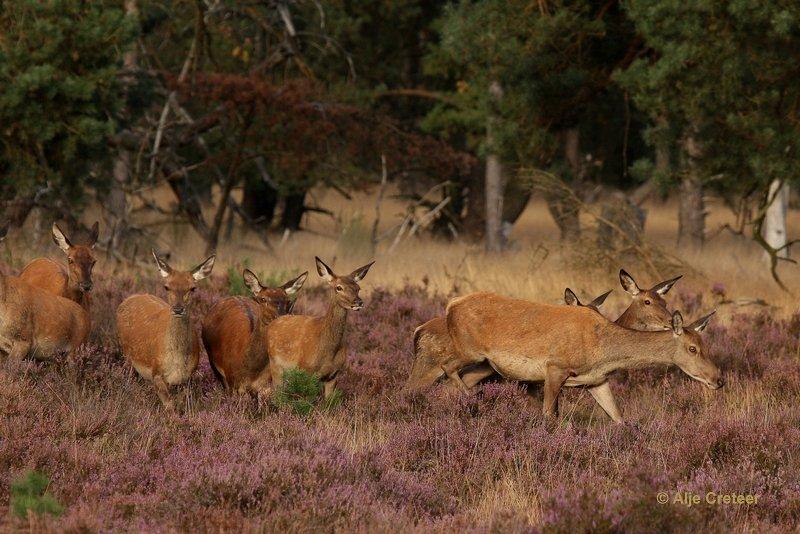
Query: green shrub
300 391
29 493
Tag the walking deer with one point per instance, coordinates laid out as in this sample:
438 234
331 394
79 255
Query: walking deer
73 281
316 344
434 355
36 323
157 337
235 333
570 346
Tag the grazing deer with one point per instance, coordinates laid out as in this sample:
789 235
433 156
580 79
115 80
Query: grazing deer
434 355
36 323
316 344
73 281
158 337
235 333
569 346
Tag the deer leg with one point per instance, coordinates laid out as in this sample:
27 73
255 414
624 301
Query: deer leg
330 387
602 394
475 374
451 371
162 390
553 380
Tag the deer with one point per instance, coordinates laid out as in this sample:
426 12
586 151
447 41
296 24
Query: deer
570 346
156 336
36 323
316 344
434 356
235 333
73 281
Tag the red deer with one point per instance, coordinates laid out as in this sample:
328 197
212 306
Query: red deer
73 281
316 344
235 333
569 346
158 337
36 323
435 357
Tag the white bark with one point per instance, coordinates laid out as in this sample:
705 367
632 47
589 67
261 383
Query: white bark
774 229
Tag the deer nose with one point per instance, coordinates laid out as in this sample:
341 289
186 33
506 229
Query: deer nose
87 286
720 383
178 310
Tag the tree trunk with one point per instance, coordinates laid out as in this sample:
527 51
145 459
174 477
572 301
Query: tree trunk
774 228
116 205
692 212
561 204
294 207
259 201
495 239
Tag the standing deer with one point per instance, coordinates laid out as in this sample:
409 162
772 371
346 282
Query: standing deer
158 337
316 344
36 323
569 346
434 355
73 281
235 333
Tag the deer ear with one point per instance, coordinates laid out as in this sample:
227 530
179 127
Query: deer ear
628 283
324 271
663 287
3 231
95 233
570 298
204 269
293 286
597 302
361 272
677 323
701 324
251 281
163 266
61 239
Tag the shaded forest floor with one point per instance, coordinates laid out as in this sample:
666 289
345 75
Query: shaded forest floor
388 461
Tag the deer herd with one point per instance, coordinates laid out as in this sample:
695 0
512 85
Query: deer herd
252 341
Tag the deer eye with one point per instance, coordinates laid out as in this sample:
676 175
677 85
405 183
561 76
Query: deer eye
192 290
647 302
692 349
166 287
339 288
70 260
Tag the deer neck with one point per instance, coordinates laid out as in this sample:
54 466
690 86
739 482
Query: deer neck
628 320
333 326
623 348
179 336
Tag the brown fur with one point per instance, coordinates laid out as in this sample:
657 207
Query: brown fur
235 334
158 337
316 344
434 356
73 281
567 345
36 323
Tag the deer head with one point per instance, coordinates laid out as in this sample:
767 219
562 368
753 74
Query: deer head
180 285
345 288
648 311
690 355
275 299
571 299
80 259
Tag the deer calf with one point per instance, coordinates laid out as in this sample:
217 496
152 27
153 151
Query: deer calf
36 323
316 344
569 346
73 281
157 337
235 333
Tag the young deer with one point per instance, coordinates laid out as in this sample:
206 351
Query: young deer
434 355
158 337
235 333
316 344
73 281
36 323
569 346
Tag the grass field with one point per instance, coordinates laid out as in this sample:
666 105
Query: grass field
385 460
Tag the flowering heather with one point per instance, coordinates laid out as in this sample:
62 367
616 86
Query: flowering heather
384 460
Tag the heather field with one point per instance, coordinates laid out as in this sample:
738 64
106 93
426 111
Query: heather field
384 460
